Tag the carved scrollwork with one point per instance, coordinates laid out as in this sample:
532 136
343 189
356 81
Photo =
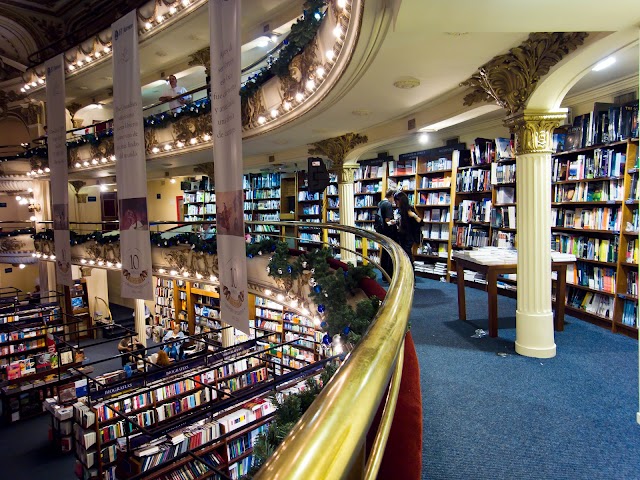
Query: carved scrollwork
301 68
9 244
534 132
184 129
103 149
510 79
178 259
337 148
44 246
150 139
94 251
72 157
201 57
251 108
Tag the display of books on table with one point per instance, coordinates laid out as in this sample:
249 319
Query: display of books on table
503 256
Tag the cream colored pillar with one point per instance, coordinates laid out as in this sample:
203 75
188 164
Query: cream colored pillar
346 195
139 321
228 338
534 315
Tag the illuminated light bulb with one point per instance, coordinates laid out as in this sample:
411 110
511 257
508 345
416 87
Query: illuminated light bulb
18 198
27 87
40 171
206 137
172 10
342 3
320 72
213 278
45 257
39 255
92 262
103 160
262 120
310 85
159 18
147 26
83 261
33 218
103 188
46 170
100 262
109 264
34 254
161 270
185 274
274 113
305 311
118 265
280 297
30 190
287 106
94 161
337 32
179 144
193 141
299 96
167 147
41 81
173 180
173 273
21 266
198 276
23 89
85 163
316 322
112 158
88 59
107 49
185 3
33 172
267 292
330 55
423 138
28 174
79 63
97 54
34 84
294 302
155 150
71 68
77 165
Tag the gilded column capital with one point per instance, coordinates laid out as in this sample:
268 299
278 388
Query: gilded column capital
337 148
345 173
533 131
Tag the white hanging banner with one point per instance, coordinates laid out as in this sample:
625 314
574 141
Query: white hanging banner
131 173
224 26
57 152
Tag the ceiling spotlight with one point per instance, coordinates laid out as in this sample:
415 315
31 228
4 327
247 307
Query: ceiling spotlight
179 144
147 26
109 264
273 38
40 171
118 265
71 68
41 81
97 54
79 63
262 41
267 292
185 3
103 160
88 59
83 261
29 189
607 62
320 72
100 262
77 165
92 262
113 158
26 87
103 188
28 174
47 169
172 10
161 270
299 96
280 297
206 137
330 55
85 163
107 49
423 138
173 180
342 3
337 32
287 105
32 218
310 85
21 266
193 141
173 273
167 147
274 113
262 120
94 161
159 18
155 150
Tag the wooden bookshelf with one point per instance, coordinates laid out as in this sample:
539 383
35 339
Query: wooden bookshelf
199 200
309 208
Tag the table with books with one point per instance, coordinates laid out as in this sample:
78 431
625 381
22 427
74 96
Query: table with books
489 263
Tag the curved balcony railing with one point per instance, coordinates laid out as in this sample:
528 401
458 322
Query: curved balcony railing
329 439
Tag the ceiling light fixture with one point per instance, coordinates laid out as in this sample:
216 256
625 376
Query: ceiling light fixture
601 65
423 138
262 41
103 188
406 83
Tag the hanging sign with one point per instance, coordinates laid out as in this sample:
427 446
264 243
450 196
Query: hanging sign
131 173
57 152
224 27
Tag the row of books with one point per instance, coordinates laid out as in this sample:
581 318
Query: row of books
587 218
503 173
311 210
365 201
631 255
632 282
368 172
401 184
502 239
435 182
473 211
630 313
402 167
434 198
503 217
437 165
594 277
588 248
605 191
473 181
333 216
601 163
593 303
435 232
200 197
204 209
262 194
267 205
367 188
436 215
470 236
264 180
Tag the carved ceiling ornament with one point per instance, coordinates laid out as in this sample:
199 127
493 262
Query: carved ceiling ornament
207 169
103 149
201 57
251 108
510 79
337 148
533 132
150 139
301 69
77 185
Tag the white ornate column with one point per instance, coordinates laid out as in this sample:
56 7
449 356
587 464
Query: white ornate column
534 315
346 195
140 324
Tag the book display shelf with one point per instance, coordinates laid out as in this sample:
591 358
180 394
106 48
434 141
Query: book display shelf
33 364
309 210
593 209
76 300
369 187
262 202
165 302
332 209
199 200
144 427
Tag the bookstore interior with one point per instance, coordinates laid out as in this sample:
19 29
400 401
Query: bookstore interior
174 385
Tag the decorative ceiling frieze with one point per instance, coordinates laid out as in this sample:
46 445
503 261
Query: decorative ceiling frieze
510 79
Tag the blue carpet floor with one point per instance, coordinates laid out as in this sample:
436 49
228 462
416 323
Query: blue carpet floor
493 417
485 416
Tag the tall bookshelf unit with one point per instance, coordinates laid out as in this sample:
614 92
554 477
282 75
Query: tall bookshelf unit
310 209
593 217
199 201
263 202
369 189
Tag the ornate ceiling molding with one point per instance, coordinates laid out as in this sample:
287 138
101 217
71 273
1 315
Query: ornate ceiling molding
337 148
510 79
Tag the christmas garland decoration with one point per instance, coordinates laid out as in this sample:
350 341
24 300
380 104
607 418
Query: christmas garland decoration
15 233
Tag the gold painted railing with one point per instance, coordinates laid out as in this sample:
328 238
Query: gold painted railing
328 442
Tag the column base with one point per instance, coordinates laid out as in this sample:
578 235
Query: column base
534 335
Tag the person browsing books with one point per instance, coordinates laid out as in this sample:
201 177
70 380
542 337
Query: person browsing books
409 223
173 348
387 227
129 345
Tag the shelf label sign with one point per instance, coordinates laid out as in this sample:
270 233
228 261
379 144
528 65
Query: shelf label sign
131 170
57 153
224 27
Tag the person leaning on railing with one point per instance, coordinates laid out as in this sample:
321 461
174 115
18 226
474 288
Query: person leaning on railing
174 95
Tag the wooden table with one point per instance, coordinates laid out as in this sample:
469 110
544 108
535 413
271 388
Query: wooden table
491 273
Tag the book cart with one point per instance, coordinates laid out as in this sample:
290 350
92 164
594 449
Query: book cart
141 414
